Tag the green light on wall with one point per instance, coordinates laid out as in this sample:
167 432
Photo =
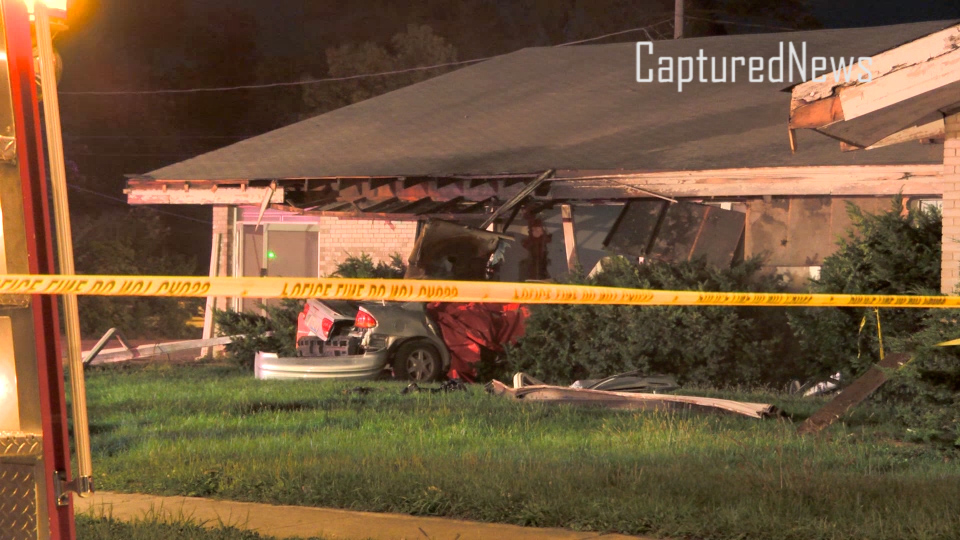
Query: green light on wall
271 255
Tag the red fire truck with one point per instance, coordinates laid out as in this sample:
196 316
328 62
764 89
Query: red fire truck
35 477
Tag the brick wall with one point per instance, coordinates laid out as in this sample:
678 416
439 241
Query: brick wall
380 239
950 265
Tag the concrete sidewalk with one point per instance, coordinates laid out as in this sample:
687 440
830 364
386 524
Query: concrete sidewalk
304 522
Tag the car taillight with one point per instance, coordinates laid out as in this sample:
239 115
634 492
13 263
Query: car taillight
325 326
364 319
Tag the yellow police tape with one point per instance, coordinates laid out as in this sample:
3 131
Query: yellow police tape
435 291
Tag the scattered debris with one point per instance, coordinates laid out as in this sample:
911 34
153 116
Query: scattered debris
853 395
521 379
823 387
361 390
627 400
452 385
99 355
631 381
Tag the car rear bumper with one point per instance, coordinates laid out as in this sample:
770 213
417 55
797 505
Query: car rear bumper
361 366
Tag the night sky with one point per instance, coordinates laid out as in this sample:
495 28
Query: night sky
148 44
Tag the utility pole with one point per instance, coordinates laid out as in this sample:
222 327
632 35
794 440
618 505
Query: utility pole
678 19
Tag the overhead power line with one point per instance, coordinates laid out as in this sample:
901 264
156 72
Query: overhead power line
304 82
82 136
134 154
644 29
267 85
736 23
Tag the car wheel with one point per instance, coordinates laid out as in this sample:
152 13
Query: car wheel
417 361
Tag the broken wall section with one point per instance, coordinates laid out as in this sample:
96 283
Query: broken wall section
794 233
797 233
591 225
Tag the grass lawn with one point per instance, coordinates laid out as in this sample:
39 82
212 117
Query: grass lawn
213 431
150 528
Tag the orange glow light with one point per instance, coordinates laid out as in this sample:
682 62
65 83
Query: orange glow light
58 8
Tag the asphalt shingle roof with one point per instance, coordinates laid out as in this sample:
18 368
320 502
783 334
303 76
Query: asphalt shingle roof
577 107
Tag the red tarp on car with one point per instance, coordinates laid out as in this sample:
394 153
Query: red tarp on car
469 327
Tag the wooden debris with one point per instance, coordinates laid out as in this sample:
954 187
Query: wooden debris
816 114
852 395
569 237
629 400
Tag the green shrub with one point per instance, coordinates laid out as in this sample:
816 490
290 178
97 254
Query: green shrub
886 253
131 242
890 253
281 320
363 267
927 389
715 346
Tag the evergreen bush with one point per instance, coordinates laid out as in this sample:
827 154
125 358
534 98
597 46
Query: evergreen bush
705 345
927 389
131 242
281 320
892 252
362 266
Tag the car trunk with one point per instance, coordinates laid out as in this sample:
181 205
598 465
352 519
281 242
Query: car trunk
330 321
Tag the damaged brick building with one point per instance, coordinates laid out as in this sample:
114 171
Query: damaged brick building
562 149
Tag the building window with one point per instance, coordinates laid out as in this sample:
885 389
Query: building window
278 250
926 204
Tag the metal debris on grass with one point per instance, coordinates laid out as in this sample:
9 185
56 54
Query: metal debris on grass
453 385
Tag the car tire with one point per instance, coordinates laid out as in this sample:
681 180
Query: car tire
417 361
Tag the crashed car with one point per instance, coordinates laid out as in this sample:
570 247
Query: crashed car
353 340
407 341
339 339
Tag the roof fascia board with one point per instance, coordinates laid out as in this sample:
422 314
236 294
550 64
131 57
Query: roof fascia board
880 65
869 129
880 180
880 93
742 173
181 193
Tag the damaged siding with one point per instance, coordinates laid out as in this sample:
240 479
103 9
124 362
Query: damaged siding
795 234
